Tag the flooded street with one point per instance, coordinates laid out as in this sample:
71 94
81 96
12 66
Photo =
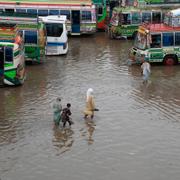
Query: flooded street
134 136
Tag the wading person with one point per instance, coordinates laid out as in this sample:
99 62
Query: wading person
90 104
66 113
146 70
57 108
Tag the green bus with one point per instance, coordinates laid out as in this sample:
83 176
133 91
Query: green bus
159 42
12 66
126 20
33 32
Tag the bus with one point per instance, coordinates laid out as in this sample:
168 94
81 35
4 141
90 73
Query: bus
126 20
158 42
81 15
101 14
12 65
57 39
33 32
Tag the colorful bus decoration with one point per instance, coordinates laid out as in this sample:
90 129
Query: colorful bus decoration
12 66
81 15
126 20
101 14
157 43
33 32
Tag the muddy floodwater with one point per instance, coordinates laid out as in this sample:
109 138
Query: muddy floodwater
135 135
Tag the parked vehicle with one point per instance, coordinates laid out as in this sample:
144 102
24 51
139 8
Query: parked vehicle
12 66
57 39
159 42
126 20
33 32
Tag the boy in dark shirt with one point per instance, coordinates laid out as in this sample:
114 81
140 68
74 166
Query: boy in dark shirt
66 113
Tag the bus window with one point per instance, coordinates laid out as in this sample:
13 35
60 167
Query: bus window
9 10
166 20
100 10
136 18
156 41
1 10
168 39
21 33
176 22
21 10
156 17
30 37
32 11
86 15
8 54
54 12
65 12
177 38
54 30
146 17
125 19
42 12
129 2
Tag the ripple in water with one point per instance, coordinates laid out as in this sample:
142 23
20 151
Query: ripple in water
135 134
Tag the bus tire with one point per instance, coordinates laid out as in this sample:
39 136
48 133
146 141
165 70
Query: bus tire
134 34
169 60
110 34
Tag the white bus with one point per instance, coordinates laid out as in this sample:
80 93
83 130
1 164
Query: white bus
57 39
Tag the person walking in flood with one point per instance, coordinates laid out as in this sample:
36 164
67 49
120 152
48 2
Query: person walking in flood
57 108
90 104
66 113
146 70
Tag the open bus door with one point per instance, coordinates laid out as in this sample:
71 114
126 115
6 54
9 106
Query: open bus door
1 66
75 22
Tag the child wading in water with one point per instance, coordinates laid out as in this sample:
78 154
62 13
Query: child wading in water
146 70
66 113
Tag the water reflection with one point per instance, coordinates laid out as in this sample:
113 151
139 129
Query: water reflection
9 121
63 139
19 105
88 131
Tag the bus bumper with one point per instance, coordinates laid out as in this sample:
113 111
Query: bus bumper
57 50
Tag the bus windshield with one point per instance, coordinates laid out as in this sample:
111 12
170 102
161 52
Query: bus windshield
125 18
141 41
54 29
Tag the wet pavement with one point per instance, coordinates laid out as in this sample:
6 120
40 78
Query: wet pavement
134 136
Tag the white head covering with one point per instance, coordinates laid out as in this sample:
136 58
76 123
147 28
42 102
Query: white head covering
89 93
